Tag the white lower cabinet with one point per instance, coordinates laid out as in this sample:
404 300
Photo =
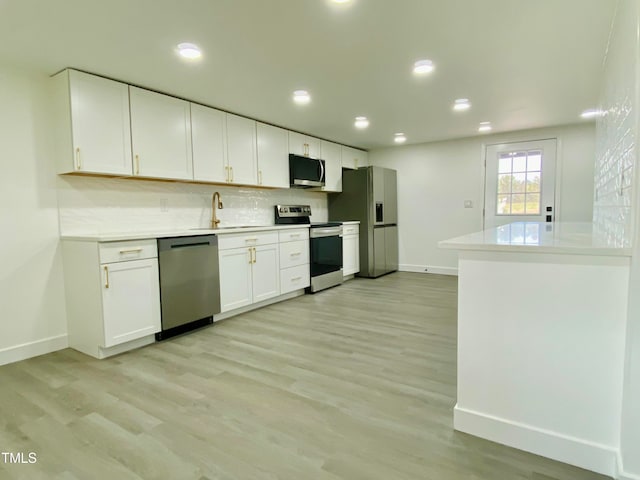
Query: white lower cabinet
130 300
235 278
350 249
113 295
294 260
250 273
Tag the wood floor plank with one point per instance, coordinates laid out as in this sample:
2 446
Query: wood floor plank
355 382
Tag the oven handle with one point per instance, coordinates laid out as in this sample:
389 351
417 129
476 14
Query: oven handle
325 232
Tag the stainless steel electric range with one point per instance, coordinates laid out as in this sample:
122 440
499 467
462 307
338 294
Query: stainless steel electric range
325 245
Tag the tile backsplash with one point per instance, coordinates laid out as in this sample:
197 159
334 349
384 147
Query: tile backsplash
100 205
616 134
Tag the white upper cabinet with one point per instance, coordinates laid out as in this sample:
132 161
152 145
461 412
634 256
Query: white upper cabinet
273 156
331 153
161 135
94 132
304 145
208 133
353 158
242 158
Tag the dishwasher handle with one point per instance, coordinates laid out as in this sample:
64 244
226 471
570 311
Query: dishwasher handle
165 244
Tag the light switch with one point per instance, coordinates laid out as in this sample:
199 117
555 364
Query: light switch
468 204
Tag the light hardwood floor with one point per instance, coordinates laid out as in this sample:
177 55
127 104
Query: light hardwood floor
356 382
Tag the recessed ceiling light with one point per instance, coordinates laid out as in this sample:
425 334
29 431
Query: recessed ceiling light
301 97
361 122
189 51
340 1
399 138
423 66
461 104
592 113
484 127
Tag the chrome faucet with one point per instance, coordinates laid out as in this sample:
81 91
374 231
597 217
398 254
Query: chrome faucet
215 221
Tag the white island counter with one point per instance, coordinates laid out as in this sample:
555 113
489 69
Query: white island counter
541 340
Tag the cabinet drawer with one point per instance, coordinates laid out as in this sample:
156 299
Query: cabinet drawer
237 240
111 252
294 278
294 235
350 229
294 253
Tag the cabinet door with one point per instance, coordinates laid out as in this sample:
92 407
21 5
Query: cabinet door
161 135
304 145
353 158
235 278
100 124
266 272
241 150
298 144
349 254
273 156
130 300
313 147
208 135
331 153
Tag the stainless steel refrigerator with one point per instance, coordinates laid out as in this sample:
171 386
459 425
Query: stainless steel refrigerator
369 194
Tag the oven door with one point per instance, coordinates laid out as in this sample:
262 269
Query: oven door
326 254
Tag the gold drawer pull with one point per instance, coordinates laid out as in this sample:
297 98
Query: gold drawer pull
106 274
295 279
295 253
78 159
130 250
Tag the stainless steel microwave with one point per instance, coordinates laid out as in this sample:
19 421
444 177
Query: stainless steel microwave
305 172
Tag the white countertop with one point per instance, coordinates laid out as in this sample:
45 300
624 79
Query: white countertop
563 237
120 236
352 222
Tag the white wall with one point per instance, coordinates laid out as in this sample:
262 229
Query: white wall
99 205
33 316
434 180
619 215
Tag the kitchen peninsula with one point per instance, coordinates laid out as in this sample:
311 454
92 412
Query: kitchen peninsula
541 339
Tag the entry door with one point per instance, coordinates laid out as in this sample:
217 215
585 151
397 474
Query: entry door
520 182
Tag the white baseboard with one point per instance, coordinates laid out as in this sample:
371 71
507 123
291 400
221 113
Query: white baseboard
33 349
574 451
255 306
428 269
622 475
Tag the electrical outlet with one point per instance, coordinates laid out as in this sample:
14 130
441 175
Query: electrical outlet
164 205
468 204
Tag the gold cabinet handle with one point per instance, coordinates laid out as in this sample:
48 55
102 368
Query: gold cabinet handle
137 164
226 169
106 274
250 255
259 177
78 159
295 279
231 168
130 250
255 256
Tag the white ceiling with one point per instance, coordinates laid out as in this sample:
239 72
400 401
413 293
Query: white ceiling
522 63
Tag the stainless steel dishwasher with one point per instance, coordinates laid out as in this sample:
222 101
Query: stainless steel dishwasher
189 283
